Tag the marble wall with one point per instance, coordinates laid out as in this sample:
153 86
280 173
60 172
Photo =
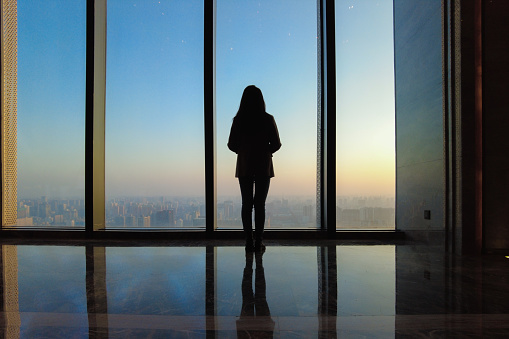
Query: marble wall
421 162
419 115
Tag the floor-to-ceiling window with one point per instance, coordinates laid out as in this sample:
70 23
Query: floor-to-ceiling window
365 131
155 175
272 45
154 114
50 112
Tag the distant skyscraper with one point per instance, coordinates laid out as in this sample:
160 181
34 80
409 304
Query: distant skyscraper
131 221
163 218
59 219
228 209
44 210
25 222
24 212
307 210
119 221
199 222
9 111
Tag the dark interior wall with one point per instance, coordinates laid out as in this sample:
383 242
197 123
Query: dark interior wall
463 139
495 97
419 115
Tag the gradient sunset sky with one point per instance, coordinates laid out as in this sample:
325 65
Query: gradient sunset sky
154 95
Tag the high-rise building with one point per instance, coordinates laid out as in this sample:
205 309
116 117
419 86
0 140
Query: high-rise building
199 222
25 222
131 221
59 219
44 210
9 114
24 212
164 218
119 221
228 209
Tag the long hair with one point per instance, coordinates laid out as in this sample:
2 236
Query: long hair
252 105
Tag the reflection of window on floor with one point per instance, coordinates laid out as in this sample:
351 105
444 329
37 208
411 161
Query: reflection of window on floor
366 280
331 283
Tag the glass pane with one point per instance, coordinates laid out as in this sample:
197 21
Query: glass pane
272 45
51 113
154 114
365 162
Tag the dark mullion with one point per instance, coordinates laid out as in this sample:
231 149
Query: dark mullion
328 118
320 217
210 114
89 119
94 115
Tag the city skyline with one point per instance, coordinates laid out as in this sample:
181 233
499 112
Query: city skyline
352 212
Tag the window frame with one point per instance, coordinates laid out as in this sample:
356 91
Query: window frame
96 17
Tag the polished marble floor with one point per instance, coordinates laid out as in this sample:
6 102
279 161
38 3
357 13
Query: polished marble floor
214 290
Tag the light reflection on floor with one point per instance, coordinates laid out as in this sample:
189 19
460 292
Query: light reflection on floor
219 291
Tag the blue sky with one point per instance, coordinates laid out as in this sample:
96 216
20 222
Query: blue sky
273 45
154 100
365 98
51 98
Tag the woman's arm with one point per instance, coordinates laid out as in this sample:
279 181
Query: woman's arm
233 140
275 143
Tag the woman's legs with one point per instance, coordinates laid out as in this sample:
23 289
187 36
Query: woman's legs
261 190
256 198
246 192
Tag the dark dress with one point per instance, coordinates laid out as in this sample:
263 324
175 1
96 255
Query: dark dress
254 141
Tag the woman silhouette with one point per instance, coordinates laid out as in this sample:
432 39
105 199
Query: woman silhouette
254 137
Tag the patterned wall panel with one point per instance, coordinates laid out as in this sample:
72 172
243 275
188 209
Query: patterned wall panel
9 111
